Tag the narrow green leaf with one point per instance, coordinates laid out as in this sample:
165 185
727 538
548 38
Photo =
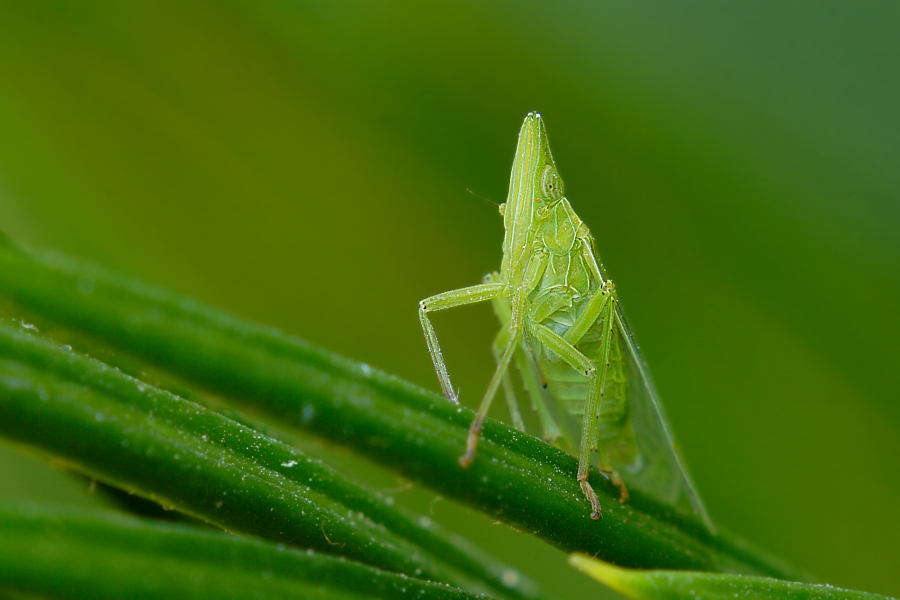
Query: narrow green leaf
675 585
515 478
101 422
68 554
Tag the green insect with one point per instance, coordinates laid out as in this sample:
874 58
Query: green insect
562 326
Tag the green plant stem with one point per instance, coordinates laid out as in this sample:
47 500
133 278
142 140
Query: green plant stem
515 478
69 554
101 422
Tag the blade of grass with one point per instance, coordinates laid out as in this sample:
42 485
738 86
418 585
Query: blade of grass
120 430
516 478
71 554
675 585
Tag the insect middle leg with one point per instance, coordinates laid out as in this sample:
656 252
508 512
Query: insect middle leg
452 299
509 392
475 429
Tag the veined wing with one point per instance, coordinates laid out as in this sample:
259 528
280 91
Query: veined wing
659 468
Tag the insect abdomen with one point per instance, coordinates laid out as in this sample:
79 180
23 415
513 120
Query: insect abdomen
570 388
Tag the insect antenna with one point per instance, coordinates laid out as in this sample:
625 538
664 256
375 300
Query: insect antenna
497 204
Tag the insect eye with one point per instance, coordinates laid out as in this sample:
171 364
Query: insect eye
551 184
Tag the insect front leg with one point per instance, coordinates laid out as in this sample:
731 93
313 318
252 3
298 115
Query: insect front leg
452 299
603 302
568 352
588 430
594 403
590 433
588 316
589 423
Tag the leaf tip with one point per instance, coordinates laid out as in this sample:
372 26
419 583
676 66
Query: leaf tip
613 577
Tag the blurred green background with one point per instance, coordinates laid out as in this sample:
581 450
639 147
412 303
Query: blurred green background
306 165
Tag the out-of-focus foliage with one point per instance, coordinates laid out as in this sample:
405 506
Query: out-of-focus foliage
306 165
104 555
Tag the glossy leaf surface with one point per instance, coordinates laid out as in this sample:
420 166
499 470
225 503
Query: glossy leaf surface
517 479
93 418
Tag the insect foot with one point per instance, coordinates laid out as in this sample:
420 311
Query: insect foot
623 491
466 459
617 481
591 496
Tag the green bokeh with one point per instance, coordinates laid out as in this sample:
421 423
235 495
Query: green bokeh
307 165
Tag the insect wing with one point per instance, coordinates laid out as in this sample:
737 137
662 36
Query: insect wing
659 468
